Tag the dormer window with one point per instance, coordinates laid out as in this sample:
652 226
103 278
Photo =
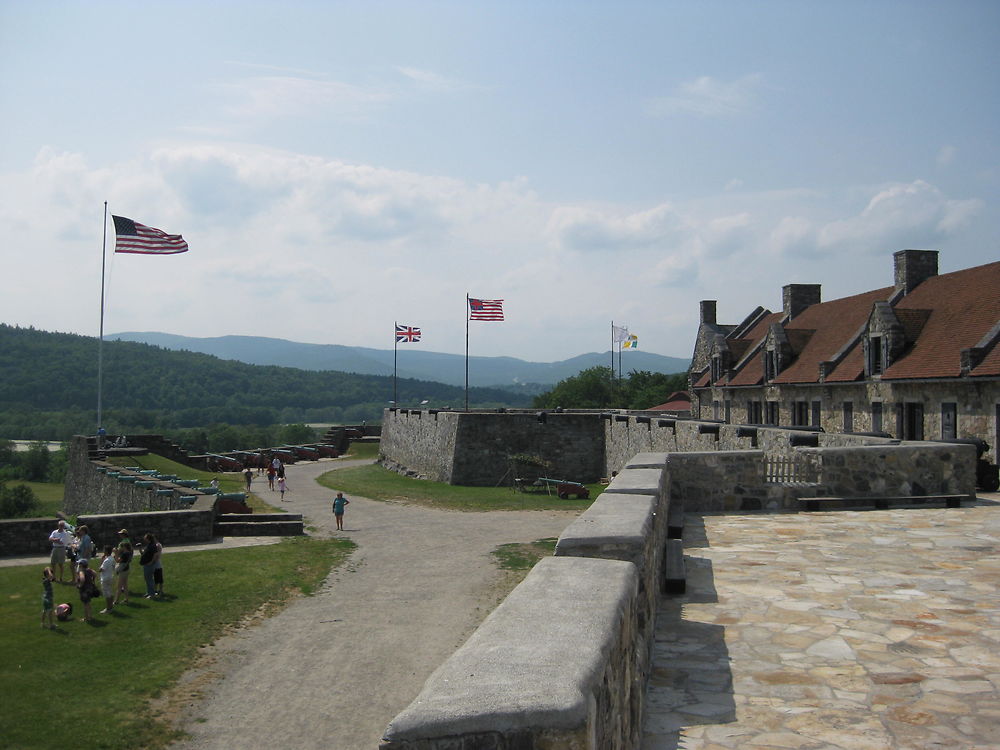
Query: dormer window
716 369
770 364
875 355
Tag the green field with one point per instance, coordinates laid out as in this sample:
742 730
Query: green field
89 685
377 483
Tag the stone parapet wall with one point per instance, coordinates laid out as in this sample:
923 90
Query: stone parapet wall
910 468
562 663
628 434
550 668
717 481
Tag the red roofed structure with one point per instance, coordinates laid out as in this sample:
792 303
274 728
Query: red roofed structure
917 360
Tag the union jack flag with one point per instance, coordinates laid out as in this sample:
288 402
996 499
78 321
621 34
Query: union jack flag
406 334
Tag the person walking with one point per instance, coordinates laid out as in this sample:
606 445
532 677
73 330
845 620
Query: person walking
248 477
282 487
339 503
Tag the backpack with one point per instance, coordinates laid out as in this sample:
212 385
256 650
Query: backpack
64 611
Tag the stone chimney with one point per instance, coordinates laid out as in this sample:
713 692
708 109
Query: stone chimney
797 297
708 311
913 267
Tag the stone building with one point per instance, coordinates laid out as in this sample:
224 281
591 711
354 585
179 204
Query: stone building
918 360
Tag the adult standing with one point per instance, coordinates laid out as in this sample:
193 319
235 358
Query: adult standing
248 477
86 582
108 578
61 539
84 545
339 503
123 562
150 556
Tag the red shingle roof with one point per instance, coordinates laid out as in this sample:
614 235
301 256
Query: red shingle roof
833 324
963 306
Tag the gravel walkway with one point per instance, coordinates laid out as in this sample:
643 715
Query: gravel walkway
333 669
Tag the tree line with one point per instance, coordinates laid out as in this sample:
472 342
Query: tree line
599 388
48 389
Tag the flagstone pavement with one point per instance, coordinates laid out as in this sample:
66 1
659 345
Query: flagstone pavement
817 631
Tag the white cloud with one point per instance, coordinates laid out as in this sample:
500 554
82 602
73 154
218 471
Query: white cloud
431 80
289 96
586 229
302 247
710 97
912 214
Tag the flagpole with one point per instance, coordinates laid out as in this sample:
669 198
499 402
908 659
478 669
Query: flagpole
395 346
466 351
611 350
100 340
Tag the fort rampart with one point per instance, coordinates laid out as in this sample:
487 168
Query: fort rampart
562 663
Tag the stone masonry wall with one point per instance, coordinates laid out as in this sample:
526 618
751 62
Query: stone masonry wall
472 448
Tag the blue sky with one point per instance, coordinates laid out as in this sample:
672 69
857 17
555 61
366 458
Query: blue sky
338 166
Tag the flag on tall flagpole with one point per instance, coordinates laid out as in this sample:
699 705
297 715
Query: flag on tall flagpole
133 237
485 309
632 342
618 333
407 334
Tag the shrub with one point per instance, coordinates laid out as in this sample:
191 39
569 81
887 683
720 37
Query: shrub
17 502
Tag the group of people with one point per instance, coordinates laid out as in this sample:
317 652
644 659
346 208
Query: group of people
275 471
108 578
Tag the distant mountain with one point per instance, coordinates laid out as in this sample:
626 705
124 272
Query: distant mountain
503 372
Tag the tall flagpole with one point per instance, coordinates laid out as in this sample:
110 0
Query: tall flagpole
100 340
395 346
612 349
466 351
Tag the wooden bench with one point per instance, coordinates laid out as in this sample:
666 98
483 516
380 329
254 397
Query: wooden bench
882 502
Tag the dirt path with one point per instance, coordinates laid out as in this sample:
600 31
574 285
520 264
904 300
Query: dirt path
333 669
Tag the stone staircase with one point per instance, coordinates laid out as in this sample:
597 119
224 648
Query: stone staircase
258 524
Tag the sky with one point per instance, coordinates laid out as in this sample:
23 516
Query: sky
337 167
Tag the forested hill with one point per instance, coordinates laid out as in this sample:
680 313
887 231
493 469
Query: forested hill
57 372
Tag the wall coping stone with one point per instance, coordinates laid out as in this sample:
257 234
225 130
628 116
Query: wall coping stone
615 526
637 482
536 661
647 461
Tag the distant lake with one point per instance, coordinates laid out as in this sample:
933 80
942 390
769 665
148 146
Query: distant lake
23 445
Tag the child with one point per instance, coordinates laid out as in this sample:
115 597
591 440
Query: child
47 609
108 578
338 509
282 487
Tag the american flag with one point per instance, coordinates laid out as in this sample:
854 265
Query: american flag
407 334
485 309
133 237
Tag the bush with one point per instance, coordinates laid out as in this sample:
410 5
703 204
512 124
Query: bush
17 502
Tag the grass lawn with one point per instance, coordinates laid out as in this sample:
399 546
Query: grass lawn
228 482
89 685
519 556
362 450
377 483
